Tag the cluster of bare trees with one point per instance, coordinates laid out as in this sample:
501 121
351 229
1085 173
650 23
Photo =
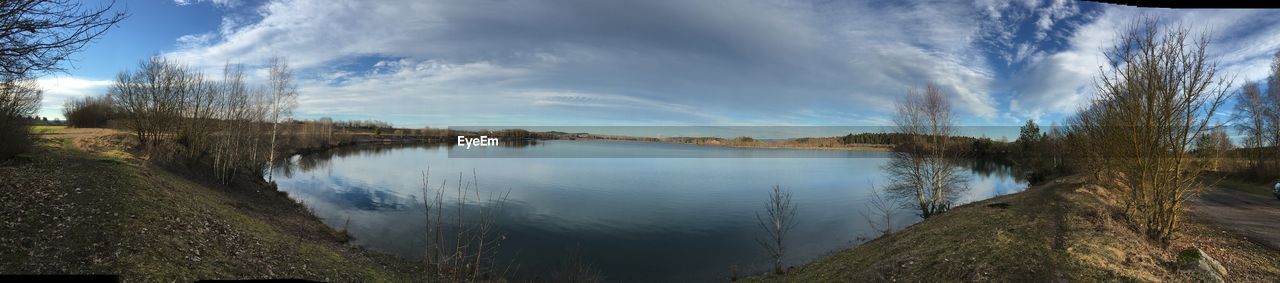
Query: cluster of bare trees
19 97
35 36
363 124
178 114
924 169
1257 116
1156 97
318 133
88 112
1213 148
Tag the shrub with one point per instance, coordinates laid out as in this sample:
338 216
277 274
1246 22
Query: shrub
19 98
87 112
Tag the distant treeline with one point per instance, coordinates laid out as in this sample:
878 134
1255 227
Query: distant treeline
969 146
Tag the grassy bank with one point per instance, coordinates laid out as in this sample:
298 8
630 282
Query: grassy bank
1240 184
45 129
1062 230
80 205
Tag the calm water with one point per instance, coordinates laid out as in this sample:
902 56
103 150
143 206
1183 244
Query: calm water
632 218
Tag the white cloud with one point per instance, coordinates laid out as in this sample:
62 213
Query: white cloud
1063 81
58 89
710 56
444 61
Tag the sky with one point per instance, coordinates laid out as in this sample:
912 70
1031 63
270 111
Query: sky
434 63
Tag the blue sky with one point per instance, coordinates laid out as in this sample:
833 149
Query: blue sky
654 63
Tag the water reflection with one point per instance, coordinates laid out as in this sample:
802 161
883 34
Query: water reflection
634 219
319 160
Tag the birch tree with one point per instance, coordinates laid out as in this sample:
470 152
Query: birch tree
922 169
284 96
1251 119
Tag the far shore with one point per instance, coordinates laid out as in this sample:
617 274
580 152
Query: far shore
756 144
857 147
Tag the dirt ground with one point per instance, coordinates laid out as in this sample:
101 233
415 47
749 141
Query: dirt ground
74 133
1254 216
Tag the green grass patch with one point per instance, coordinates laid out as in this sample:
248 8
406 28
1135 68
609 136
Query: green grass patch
977 242
1245 186
45 129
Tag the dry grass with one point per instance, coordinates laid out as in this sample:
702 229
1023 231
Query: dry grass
970 243
45 129
1062 230
102 211
104 141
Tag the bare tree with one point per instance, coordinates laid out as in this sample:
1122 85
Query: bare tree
238 113
87 112
1159 92
779 220
19 98
36 35
1251 114
1086 130
1273 105
284 97
152 98
923 169
879 211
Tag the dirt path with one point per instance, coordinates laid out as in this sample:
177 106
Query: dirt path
73 133
1254 216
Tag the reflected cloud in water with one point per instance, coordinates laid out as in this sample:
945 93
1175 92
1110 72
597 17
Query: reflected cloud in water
651 219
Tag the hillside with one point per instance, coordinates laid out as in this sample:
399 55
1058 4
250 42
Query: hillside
1062 230
80 204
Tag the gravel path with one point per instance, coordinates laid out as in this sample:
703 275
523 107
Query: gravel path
1254 216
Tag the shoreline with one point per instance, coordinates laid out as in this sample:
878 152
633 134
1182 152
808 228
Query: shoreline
310 150
880 148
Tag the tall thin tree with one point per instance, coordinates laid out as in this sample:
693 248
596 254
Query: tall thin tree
284 97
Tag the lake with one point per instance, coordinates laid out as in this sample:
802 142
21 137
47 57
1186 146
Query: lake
635 211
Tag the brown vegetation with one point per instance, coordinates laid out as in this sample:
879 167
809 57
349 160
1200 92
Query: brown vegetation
87 112
1155 101
1063 230
461 244
19 97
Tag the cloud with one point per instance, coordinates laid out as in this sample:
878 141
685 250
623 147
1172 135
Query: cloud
1063 81
58 89
719 58
690 62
